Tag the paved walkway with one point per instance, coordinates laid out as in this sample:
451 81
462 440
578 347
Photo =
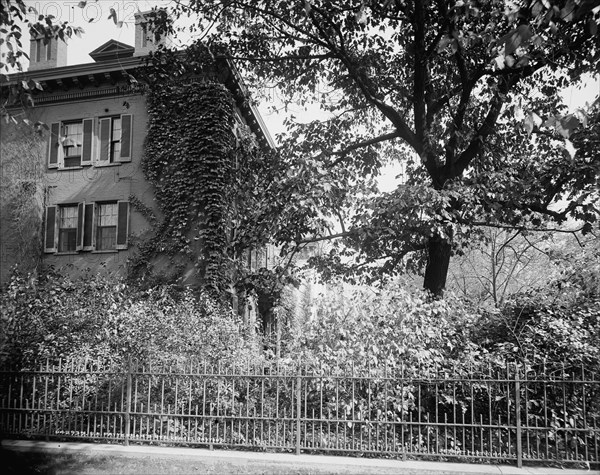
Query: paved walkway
342 465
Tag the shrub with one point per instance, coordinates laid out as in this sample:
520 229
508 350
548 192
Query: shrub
54 317
391 326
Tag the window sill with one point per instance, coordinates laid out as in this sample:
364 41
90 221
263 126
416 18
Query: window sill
69 253
62 169
108 251
106 165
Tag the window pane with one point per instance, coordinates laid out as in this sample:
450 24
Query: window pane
107 238
68 217
116 150
107 214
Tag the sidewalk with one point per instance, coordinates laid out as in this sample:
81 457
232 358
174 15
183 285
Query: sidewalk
276 463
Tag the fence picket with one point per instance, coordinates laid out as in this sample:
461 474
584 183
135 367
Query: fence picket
512 415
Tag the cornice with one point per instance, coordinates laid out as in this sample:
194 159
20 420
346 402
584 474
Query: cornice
119 64
235 84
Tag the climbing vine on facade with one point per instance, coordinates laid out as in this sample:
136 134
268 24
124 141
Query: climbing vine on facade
188 155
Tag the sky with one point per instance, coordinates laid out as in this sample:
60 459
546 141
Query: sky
93 18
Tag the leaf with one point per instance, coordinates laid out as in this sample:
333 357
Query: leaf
568 146
113 15
567 125
517 37
82 4
444 42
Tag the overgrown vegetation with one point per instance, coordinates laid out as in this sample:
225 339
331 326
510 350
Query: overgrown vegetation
100 319
188 156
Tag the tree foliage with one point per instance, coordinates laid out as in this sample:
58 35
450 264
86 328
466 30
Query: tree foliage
440 86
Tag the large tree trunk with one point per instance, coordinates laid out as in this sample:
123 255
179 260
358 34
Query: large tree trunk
438 259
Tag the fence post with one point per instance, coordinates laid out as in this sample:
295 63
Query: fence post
128 403
298 408
518 416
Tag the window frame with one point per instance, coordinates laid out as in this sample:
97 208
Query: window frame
99 147
87 218
97 226
64 136
74 229
106 154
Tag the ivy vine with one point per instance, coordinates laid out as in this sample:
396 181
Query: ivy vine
188 153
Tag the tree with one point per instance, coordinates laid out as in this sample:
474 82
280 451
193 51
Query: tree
438 85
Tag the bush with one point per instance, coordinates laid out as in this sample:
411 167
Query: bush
389 327
54 317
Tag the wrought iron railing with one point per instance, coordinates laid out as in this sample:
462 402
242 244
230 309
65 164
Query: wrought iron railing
505 415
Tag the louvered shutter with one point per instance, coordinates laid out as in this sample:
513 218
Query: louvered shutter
126 131
88 137
80 219
122 224
50 227
88 227
54 145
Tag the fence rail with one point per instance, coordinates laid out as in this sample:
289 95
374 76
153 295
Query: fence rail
506 415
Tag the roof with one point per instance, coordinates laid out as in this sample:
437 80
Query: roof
112 49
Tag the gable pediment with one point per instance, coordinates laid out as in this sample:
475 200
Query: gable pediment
112 49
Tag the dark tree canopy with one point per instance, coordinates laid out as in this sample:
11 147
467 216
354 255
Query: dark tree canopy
453 90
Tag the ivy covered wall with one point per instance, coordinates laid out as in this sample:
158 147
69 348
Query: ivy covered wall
188 159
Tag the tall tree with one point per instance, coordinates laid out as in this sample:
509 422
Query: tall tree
439 81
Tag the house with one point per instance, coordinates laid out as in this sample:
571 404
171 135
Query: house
97 124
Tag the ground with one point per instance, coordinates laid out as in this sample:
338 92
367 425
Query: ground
64 458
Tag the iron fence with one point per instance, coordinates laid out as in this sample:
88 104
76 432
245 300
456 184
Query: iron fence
506 415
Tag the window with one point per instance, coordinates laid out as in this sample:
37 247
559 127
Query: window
101 226
67 229
106 227
82 142
115 139
71 143
72 139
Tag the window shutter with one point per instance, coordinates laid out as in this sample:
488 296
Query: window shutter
79 235
88 134
88 227
104 155
54 145
126 129
122 224
50 237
